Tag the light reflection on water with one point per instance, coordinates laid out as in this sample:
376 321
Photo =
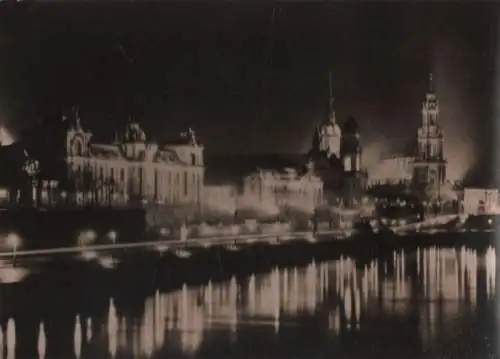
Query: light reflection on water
439 285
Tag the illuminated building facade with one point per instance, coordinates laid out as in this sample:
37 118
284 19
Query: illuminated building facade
335 157
429 164
480 200
424 169
392 170
220 198
354 178
286 188
133 169
325 154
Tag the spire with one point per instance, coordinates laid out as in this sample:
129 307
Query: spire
431 82
331 109
330 88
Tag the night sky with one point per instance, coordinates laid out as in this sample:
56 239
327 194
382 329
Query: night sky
253 77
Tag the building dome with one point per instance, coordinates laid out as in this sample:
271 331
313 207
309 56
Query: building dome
134 133
351 126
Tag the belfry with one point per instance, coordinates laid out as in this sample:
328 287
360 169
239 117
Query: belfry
429 163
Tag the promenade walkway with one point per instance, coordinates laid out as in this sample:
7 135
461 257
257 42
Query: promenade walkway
163 245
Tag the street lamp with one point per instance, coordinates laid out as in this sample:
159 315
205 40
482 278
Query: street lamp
13 241
86 237
64 195
113 236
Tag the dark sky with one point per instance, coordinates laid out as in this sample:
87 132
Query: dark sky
247 82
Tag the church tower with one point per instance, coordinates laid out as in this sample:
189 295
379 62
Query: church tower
430 164
328 135
353 178
325 155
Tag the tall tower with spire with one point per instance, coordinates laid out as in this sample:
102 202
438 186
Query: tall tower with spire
430 163
325 155
328 135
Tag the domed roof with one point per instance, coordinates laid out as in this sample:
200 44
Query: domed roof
134 133
351 126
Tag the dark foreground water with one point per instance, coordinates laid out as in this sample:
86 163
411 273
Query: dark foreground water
433 303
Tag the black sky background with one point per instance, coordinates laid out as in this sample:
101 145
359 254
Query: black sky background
251 81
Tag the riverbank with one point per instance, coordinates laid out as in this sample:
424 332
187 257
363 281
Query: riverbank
37 228
240 254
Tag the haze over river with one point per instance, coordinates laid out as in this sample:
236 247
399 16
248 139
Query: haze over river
432 303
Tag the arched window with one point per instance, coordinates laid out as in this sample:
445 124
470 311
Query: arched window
77 148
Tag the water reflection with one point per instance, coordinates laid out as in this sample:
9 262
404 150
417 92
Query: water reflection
78 337
11 339
429 293
41 341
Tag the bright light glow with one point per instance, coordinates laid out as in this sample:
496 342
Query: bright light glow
41 346
181 253
107 262
89 255
13 240
87 237
11 338
112 329
12 274
4 193
112 235
6 137
162 248
164 232
77 337
88 334
232 248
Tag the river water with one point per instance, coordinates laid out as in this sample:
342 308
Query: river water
433 303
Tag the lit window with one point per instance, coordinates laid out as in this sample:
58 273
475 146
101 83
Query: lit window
347 164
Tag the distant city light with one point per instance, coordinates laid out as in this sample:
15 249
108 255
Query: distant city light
183 253
13 240
107 262
89 255
6 137
162 248
164 232
112 235
87 237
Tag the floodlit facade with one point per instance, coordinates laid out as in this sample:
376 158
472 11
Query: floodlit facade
430 164
285 188
132 169
477 200
220 198
392 170
426 168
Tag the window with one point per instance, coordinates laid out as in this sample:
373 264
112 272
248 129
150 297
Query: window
112 173
140 179
347 164
101 172
186 190
156 185
195 182
77 148
193 159
122 174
